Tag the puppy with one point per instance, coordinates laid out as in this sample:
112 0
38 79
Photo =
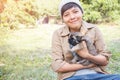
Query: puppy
75 41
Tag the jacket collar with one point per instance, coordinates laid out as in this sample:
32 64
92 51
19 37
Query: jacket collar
84 28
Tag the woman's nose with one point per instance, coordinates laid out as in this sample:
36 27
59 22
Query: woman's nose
72 16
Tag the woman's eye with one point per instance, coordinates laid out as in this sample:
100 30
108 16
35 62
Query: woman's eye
65 15
75 11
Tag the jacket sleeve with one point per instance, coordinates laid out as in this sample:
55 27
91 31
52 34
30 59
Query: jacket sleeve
57 52
100 44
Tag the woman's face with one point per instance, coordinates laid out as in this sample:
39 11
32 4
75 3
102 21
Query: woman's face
73 18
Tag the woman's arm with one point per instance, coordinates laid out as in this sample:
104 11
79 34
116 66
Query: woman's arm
103 55
99 59
73 67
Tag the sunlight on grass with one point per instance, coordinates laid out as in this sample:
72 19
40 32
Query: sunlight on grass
27 54
110 33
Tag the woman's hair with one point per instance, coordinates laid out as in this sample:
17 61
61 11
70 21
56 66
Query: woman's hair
68 6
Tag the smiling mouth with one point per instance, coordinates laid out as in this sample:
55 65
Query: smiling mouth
74 21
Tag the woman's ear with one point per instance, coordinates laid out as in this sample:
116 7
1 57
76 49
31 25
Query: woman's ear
62 20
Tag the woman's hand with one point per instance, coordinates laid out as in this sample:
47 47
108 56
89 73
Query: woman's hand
90 66
98 59
83 52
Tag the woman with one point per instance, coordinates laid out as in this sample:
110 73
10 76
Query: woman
71 13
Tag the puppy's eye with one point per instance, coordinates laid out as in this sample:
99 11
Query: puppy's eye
79 38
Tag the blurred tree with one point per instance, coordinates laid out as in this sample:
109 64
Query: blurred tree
103 9
2 5
22 12
27 12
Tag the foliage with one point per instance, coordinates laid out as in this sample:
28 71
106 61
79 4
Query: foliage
28 12
48 7
15 13
88 16
106 10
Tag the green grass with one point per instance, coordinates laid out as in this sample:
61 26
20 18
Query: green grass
111 34
26 53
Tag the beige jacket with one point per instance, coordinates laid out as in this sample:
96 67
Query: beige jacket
60 47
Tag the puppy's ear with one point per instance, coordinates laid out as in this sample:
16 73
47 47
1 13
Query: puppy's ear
71 40
79 38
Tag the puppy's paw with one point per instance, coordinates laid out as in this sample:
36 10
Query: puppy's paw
77 47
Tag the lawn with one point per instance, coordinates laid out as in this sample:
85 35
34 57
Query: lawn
26 52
